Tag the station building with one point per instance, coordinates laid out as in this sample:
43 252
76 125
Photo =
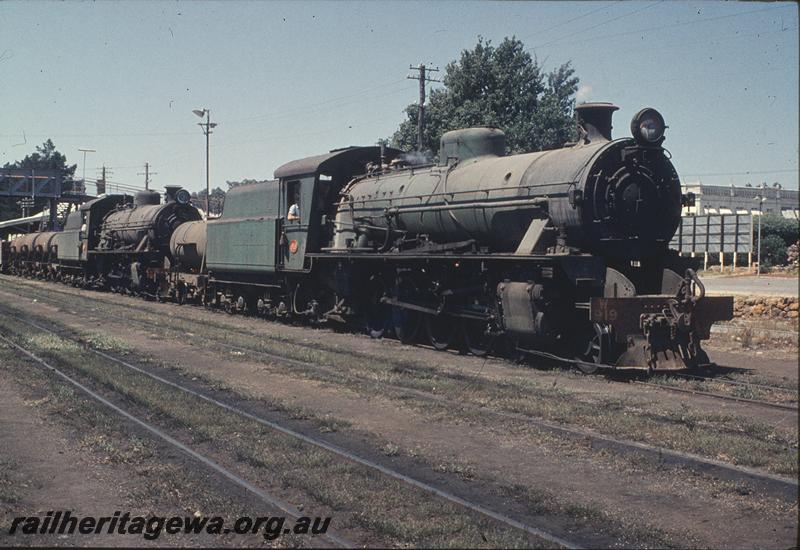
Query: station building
729 199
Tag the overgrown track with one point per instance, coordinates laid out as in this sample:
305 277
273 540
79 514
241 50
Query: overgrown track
765 482
759 402
268 499
317 442
719 380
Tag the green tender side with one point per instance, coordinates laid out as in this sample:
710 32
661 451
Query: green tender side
245 238
69 241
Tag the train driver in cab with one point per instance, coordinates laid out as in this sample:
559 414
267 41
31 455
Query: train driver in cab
294 209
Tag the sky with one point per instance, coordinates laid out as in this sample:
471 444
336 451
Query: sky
289 80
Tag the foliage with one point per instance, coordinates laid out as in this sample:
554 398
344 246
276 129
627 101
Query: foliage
778 234
773 251
788 230
498 86
215 203
46 157
246 181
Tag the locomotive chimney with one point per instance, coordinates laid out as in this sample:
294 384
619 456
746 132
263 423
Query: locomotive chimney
594 121
170 191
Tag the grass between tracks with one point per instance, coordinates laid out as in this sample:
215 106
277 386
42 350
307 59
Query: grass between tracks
392 512
162 487
726 437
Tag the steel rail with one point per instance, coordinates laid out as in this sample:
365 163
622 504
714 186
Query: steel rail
758 402
241 482
718 396
733 382
335 449
574 362
782 487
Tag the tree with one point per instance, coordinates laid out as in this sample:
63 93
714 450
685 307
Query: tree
788 230
499 86
773 251
215 202
46 157
246 181
777 235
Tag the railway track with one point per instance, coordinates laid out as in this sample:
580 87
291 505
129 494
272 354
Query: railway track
770 484
723 397
200 458
305 438
725 381
610 374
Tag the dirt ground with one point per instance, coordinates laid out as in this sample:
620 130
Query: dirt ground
49 465
494 457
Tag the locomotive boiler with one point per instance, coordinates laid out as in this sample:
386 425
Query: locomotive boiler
619 199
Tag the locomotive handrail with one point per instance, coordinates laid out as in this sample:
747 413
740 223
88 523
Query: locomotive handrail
427 195
396 210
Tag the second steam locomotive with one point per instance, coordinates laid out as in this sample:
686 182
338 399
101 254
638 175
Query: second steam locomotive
562 252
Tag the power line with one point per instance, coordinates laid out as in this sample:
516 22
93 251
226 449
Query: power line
600 24
710 41
662 27
548 29
746 173
311 106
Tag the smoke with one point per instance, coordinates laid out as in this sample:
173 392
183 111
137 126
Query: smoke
415 158
584 93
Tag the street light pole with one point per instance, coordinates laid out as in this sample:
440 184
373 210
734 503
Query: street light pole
208 163
206 126
84 151
761 201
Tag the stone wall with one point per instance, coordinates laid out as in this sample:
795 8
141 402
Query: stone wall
765 307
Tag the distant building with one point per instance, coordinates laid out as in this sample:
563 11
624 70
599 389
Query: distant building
729 199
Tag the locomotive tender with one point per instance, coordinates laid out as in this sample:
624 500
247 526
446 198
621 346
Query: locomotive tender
557 252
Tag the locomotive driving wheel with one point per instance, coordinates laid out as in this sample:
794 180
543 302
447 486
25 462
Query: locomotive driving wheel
477 337
378 314
441 331
406 324
597 350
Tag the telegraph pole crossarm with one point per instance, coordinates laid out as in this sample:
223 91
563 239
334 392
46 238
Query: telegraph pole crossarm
423 78
147 173
207 130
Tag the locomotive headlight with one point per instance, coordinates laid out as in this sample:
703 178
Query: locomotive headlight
182 196
647 127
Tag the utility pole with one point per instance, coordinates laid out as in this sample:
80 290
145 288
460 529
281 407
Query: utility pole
421 76
761 200
101 183
146 175
206 126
